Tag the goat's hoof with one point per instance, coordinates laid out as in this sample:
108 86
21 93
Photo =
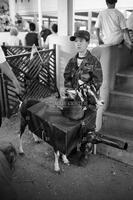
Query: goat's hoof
21 153
67 163
57 172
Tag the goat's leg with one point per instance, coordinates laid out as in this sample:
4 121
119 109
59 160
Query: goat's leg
65 160
21 151
33 125
56 162
22 129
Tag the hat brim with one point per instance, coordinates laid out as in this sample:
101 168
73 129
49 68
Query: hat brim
72 38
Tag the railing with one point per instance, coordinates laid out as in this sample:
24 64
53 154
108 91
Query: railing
15 50
37 78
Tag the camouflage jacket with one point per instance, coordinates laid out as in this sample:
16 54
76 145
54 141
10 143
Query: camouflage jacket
72 71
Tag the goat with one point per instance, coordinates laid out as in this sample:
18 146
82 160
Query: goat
27 118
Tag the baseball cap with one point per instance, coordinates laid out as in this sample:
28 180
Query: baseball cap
111 1
81 34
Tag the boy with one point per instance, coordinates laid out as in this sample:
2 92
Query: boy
83 70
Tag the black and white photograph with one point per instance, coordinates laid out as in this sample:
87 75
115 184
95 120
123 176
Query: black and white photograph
66 100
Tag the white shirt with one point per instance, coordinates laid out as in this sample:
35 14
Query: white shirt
13 41
51 40
130 22
111 22
2 56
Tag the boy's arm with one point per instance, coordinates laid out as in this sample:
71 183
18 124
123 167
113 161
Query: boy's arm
98 75
67 76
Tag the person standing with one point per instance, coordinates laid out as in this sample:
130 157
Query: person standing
44 33
14 40
32 37
52 38
112 25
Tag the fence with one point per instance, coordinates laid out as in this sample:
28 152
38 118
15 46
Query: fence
37 77
15 50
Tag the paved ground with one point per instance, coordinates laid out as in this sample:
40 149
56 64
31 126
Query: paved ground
34 178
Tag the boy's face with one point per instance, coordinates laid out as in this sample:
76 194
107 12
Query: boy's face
81 44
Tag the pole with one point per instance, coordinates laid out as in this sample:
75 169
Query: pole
40 14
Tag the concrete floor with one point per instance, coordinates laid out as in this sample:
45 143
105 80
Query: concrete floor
100 179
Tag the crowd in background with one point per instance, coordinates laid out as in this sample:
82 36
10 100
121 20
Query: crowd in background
32 36
43 38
